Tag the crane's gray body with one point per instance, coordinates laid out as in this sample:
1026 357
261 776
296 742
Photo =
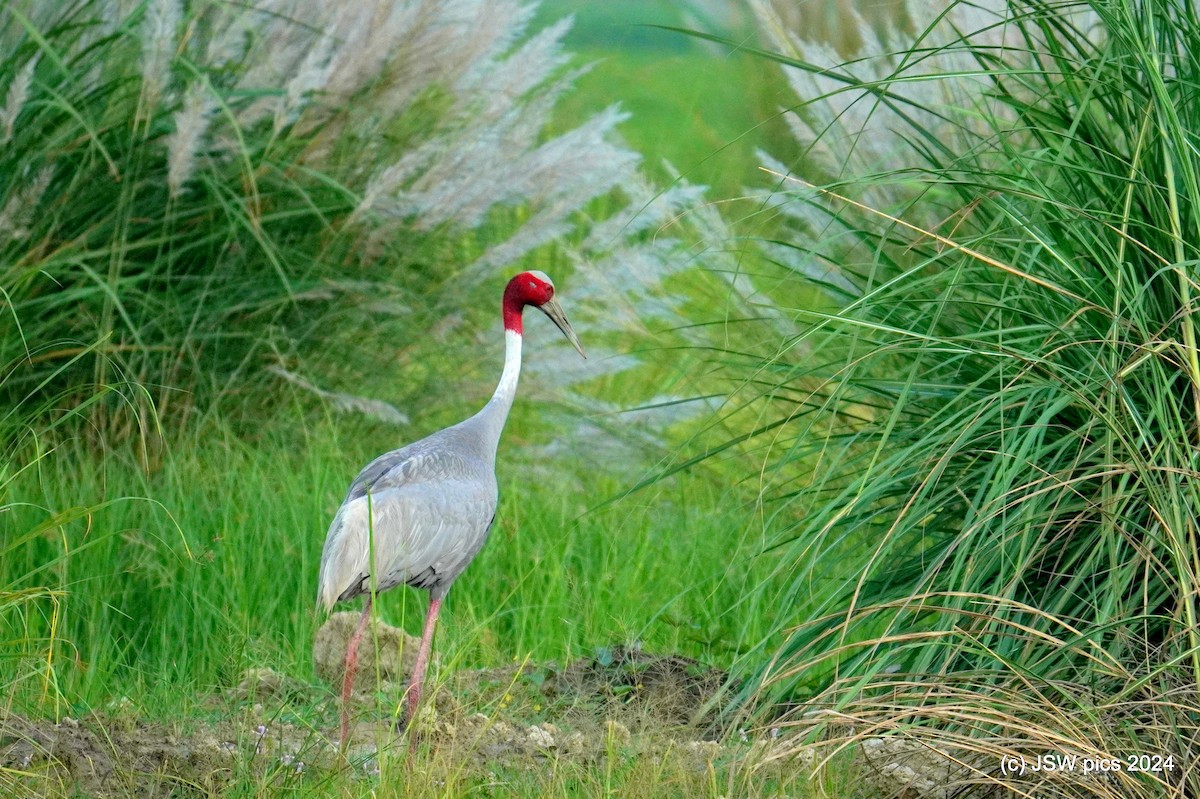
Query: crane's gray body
424 511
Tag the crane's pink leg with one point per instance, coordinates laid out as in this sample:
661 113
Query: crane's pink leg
414 684
349 670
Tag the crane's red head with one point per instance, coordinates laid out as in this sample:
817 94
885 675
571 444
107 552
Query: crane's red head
527 288
537 289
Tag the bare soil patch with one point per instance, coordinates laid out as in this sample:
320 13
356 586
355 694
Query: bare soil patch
274 728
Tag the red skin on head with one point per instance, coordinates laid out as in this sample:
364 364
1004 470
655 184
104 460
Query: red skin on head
524 289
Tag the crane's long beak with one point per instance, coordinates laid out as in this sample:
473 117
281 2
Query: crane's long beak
552 309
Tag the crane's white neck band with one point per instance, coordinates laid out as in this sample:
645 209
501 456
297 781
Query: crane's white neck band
507 389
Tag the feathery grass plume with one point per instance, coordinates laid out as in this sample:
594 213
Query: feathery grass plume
987 474
845 25
627 260
493 83
346 403
854 117
486 160
312 75
22 204
356 143
394 50
638 278
555 181
160 26
186 141
14 99
648 209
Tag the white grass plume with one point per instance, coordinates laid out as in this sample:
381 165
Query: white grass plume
186 141
14 99
160 26
346 403
846 131
22 205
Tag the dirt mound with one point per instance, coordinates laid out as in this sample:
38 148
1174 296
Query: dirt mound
644 689
272 728
386 653
99 759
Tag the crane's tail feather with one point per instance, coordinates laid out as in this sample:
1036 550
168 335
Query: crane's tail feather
342 567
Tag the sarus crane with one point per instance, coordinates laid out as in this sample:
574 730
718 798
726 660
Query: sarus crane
418 515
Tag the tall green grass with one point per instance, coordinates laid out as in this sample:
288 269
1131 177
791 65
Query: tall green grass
31 604
104 260
177 595
984 446
173 228
194 197
190 212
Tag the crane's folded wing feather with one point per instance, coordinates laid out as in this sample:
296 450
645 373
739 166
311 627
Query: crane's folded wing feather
455 453
392 469
421 533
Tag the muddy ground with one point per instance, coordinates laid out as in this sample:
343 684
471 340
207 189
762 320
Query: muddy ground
271 724
273 730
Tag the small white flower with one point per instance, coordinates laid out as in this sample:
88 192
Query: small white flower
261 732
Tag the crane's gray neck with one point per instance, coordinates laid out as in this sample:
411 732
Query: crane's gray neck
495 413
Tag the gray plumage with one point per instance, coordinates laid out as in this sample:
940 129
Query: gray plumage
419 515
425 510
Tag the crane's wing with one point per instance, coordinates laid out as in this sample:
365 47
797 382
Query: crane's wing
393 469
423 517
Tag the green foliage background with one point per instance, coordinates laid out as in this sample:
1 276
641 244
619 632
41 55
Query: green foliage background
949 350
174 493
